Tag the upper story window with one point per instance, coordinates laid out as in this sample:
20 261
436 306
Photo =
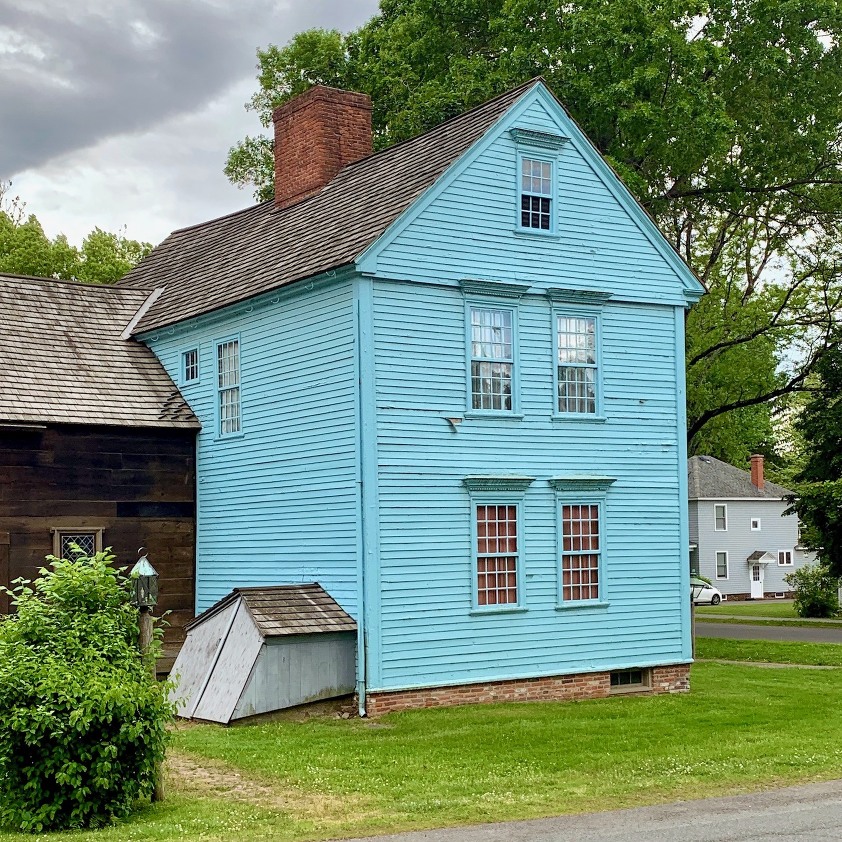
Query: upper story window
536 194
755 524
228 385
492 358
720 517
190 365
577 366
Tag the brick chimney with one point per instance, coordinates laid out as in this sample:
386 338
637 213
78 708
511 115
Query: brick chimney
316 134
757 471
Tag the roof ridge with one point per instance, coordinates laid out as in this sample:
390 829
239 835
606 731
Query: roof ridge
65 282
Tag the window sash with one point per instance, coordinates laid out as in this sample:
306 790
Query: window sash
536 192
721 565
492 358
577 364
228 386
497 554
581 551
720 517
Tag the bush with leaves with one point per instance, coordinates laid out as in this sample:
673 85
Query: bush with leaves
82 721
816 591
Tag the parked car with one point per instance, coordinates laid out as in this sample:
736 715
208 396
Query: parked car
704 593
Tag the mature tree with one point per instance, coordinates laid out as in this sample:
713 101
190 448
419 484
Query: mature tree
722 116
26 250
818 487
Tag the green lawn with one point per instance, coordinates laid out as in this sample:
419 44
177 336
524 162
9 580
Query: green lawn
768 651
777 608
742 728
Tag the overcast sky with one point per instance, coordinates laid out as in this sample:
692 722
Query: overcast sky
121 112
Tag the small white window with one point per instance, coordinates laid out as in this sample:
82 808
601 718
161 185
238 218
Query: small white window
190 365
228 386
785 558
722 565
755 524
720 517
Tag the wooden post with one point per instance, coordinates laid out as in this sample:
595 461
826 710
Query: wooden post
145 648
692 625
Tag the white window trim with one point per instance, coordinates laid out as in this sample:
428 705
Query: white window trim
727 565
218 390
724 508
785 563
574 313
754 528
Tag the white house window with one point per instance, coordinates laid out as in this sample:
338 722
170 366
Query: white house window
720 517
722 565
755 524
577 364
492 358
190 365
497 554
71 542
228 385
536 190
580 551
785 558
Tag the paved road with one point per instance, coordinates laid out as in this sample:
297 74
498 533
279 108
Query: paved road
811 813
741 632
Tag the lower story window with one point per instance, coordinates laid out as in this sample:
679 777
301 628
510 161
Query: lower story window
625 680
580 553
71 542
722 565
497 554
785 558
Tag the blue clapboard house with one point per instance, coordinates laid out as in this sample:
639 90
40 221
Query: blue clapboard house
445 382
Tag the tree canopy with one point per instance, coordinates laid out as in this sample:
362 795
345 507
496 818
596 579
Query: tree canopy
722 117
25 249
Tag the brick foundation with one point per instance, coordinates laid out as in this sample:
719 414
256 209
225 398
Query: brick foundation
576 687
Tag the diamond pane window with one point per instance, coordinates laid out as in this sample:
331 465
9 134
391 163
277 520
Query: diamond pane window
577 364
228 384
580 551
190 363
85 544
536 188
497 554
492 358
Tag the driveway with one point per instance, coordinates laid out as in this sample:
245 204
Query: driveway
811 813
803 634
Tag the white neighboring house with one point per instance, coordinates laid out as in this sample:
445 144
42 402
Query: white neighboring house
739 536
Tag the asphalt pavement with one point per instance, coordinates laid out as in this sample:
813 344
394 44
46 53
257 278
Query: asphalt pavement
811 813
804 634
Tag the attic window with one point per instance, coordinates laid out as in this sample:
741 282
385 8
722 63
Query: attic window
536 191
190 365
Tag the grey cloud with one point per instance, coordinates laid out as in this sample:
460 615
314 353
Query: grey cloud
73 73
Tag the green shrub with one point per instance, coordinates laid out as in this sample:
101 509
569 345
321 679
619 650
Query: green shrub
82 722
816 591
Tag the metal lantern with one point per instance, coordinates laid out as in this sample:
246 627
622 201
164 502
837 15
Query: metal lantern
145 578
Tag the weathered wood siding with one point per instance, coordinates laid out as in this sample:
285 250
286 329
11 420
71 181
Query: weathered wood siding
277 504
421 626
138 485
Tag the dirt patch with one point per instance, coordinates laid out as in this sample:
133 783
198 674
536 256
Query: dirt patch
209 778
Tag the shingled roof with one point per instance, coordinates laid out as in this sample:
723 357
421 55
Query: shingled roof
712 479
63 359
287 609
209 266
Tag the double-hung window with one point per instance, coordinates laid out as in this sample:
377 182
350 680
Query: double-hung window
581 550
722 565
190 366
492 358
228 386
577 371
720 517
497 553
536 194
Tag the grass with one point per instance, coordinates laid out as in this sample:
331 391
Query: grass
742 728
783 609
808 624
767 651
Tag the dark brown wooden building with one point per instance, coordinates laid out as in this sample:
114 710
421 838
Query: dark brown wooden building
97 445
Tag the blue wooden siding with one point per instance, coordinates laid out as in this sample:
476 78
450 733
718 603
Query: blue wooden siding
427 633
277 504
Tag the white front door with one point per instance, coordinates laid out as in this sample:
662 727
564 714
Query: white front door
757 581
